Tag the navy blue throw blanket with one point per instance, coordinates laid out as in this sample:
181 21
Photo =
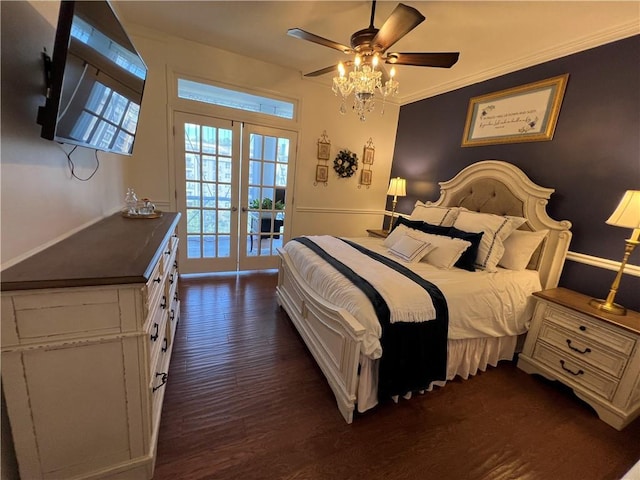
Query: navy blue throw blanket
414 354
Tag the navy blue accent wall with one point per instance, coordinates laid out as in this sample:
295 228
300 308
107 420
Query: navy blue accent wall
593 158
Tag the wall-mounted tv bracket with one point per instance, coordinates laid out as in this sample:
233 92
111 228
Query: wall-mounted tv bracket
47 65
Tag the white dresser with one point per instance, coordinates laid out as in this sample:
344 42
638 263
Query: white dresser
87 334
594 353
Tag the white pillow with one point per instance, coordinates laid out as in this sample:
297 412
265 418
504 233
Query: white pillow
447 250
495 228
441 216
410 249
396 234
518 248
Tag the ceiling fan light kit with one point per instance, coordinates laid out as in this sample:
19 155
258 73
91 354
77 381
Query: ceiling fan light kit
363 80
369 46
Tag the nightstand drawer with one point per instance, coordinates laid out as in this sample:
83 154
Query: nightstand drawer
588 329
575 371
583 348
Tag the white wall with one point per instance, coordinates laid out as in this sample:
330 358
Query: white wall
40 201
341 208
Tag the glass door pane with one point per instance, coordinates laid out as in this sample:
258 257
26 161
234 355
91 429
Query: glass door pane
267 158
206 186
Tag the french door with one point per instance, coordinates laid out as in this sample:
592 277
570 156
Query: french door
231 187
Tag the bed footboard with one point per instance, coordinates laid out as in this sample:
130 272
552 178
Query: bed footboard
332 335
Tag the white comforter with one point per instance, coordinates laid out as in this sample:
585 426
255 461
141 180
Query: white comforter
480 304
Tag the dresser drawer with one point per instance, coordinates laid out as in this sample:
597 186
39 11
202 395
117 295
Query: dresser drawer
583 348
157 338
169 251
154 287
570 370
590 329
160 375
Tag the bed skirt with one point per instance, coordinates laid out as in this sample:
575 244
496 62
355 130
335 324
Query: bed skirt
464 359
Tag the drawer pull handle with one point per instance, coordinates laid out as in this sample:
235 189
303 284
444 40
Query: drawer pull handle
163 305
171 279
175 296
582 328
157 280
586 350
168 252
175 264
154 336
165 345
172 317
579 372
163 379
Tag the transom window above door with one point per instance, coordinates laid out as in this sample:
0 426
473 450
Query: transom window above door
226 97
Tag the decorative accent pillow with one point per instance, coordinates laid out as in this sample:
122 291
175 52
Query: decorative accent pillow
447 250
396 234
468 258
411 249
422 226
519 247
495 228
440 216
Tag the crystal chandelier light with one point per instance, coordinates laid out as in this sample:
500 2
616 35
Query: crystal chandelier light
363 81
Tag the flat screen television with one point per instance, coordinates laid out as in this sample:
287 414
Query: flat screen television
95 80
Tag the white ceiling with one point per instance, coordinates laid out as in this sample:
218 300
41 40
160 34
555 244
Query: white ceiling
492 37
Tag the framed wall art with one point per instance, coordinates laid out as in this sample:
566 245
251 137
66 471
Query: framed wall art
324 147
322 173
368 153
527 113
365 177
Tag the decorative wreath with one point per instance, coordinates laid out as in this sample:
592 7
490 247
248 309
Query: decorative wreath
345 163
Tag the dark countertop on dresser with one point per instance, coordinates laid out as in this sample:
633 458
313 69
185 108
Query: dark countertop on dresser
114 250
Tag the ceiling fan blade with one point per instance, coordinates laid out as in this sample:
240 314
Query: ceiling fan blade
332 68
402 20
439 59
303 35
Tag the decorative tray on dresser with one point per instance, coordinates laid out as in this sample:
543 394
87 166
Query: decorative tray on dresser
595 353
87 334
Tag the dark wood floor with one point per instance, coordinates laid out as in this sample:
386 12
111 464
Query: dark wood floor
245 400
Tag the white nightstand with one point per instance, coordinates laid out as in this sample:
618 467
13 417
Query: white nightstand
594 353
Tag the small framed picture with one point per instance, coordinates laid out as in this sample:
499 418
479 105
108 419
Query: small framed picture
324 150
322 173
365 177
367 155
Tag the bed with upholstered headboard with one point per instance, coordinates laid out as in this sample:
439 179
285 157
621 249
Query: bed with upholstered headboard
484 204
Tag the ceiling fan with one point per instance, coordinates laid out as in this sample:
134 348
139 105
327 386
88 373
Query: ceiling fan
373 41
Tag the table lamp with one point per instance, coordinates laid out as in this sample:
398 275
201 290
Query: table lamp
397 188
627 215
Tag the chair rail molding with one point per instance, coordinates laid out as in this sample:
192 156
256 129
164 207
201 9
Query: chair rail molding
603 263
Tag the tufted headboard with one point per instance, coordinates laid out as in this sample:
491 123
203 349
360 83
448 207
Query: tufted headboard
494 186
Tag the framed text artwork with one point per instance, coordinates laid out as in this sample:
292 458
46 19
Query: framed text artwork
527 113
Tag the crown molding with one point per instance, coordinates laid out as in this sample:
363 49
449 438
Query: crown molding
595 40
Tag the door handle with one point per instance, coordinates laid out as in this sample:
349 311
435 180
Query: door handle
234 209
245 209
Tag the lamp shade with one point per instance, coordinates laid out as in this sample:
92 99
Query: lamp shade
627 214
398 187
